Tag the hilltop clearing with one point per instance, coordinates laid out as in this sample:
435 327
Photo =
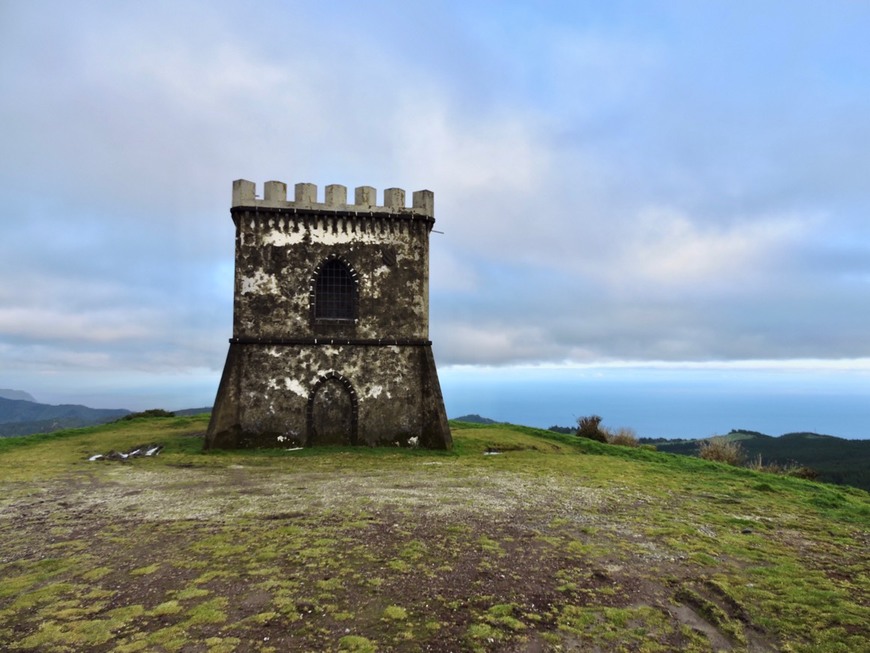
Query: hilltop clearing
518 540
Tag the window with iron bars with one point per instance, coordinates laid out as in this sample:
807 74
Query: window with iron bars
335 293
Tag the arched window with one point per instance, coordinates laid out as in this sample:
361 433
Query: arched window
334 292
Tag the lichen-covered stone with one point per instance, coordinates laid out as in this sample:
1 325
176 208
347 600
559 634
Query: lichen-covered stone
299 375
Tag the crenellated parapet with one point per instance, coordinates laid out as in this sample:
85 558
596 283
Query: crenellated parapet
334 199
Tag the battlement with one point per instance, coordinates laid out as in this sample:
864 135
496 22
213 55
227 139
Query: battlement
335 198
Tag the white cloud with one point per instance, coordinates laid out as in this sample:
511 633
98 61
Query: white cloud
668 249
611 185
100 326
492 343
449 272
492 156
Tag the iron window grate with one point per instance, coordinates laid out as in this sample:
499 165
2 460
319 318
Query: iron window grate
334 293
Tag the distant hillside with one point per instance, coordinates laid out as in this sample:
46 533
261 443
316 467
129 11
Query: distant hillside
837 460
475 419
20 417
192 411
6 393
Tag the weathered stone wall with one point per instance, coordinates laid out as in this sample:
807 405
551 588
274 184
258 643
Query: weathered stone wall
293 379
275 384
278 254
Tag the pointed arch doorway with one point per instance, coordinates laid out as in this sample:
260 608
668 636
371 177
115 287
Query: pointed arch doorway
332 412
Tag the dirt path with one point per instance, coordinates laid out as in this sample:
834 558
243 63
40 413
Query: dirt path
436 557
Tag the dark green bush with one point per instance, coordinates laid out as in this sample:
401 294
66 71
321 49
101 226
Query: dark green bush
588 427
151 412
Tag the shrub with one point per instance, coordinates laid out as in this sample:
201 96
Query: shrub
623 437
802 471
758 465
722 451
791 468
151 412
587 427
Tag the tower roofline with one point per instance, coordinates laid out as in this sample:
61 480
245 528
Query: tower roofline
335 198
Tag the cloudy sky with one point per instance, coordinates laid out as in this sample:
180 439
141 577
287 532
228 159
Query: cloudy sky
621 185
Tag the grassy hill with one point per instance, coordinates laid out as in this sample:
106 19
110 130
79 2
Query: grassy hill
518 540
22 417
837 460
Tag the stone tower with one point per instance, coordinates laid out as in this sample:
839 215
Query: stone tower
330 322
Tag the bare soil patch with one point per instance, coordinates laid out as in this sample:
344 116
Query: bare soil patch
247 559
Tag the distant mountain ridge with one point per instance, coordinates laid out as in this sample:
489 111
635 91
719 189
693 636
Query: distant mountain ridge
475 419
6 393
192 411
23 417
837 460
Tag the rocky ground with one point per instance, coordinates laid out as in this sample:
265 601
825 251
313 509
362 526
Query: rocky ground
541 547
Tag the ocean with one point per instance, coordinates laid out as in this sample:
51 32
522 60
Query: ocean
668 403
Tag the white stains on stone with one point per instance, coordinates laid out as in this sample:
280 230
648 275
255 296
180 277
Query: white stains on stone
291 385
374 391
372 286
343 237
282 238
416 301
295 387
260 283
